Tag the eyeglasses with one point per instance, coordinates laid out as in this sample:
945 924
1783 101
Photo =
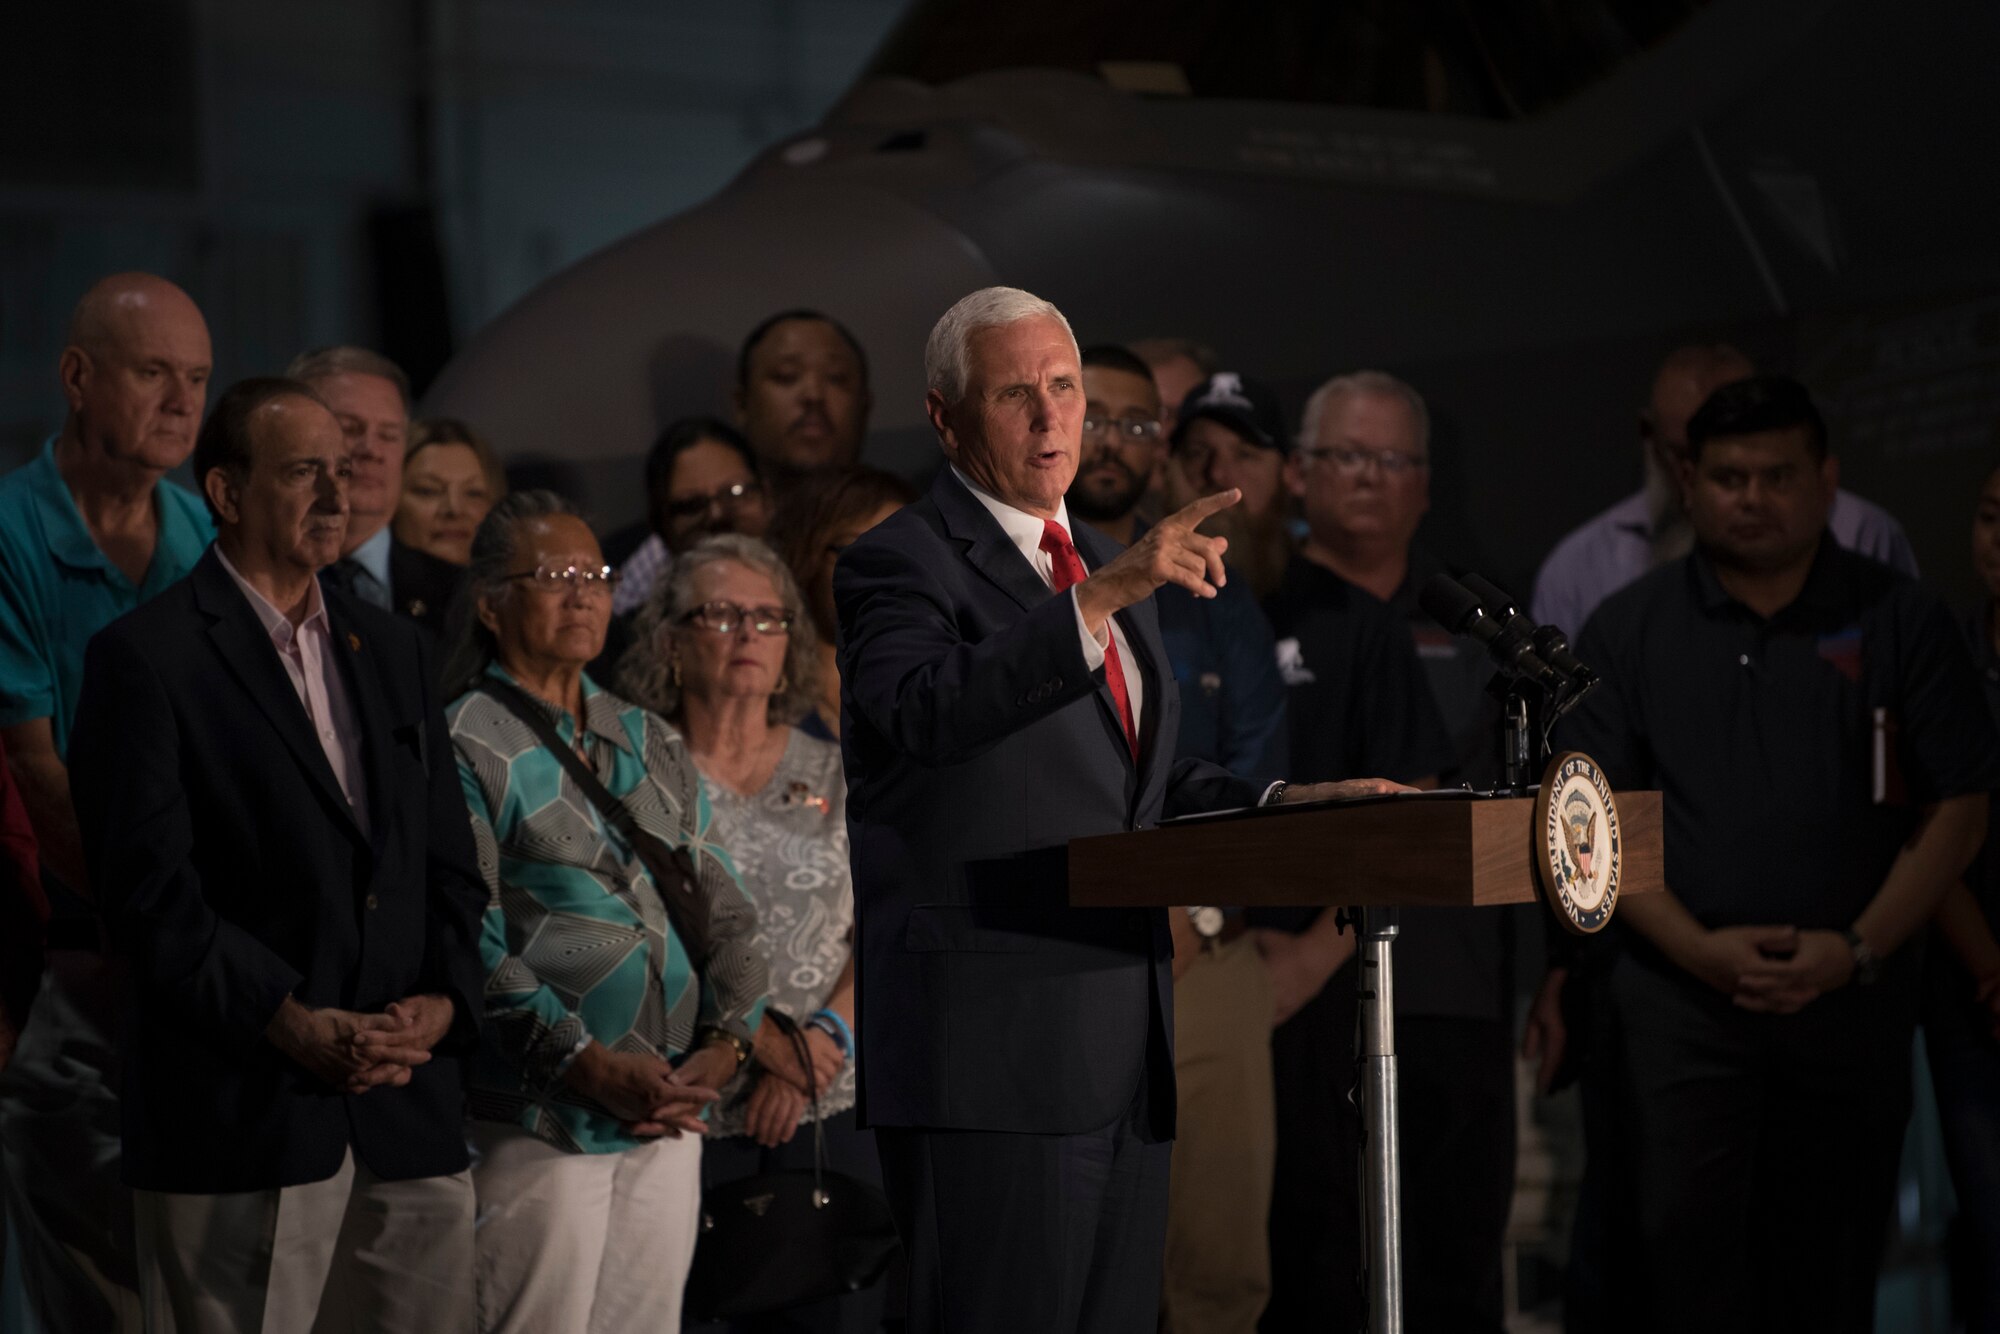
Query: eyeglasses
1124 430
724 617
591 579
1392 461
733 496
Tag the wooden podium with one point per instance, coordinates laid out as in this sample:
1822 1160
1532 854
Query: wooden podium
1435 850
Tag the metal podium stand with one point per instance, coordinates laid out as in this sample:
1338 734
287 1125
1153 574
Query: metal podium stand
1436 849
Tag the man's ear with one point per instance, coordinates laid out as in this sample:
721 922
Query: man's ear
939 413
74 370
1295 477
1829 476
483 608
739 399
221 493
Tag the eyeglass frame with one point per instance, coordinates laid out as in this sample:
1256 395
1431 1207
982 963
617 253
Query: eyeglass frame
730 497
576 576
1094 428
1392 462
695 616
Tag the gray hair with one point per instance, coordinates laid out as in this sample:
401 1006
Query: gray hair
945 367
471 647
1364 382
645 673
323 363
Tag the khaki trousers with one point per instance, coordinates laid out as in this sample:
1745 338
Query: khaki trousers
582 1243
353 1254
1218 1264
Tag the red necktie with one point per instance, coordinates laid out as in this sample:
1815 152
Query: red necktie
1069 570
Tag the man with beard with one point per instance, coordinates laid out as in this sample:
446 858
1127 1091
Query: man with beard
802 394
1650 528
1232 714
1231 435
370 397
1818 731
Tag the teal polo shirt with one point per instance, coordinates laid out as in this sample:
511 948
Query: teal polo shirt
57 589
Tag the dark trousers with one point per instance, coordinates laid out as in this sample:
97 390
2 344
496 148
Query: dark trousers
1456 1085
1059 1234
850 1151
1965 1075
1763 1151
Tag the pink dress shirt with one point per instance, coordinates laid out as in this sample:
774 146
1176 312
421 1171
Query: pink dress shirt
307 652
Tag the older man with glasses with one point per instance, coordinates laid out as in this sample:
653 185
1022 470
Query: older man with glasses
1373 680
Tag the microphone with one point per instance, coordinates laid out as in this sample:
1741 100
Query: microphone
1548 640
1454 607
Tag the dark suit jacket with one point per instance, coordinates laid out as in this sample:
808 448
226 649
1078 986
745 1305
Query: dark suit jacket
234 874
977 745
421 585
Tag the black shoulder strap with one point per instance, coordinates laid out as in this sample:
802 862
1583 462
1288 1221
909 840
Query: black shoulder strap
672 869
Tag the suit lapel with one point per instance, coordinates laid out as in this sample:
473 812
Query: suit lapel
989 549
356 658
248 653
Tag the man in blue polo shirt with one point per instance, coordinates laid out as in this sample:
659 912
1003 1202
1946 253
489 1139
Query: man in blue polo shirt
88 531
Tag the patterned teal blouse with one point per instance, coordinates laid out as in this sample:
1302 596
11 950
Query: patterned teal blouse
577 943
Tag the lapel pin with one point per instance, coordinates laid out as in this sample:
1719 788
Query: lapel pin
417 607
354 641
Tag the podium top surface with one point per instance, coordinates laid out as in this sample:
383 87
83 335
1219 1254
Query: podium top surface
1441 849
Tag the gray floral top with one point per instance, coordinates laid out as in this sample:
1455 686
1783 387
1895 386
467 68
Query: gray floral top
789 844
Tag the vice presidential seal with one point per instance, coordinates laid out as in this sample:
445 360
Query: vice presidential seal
1577 842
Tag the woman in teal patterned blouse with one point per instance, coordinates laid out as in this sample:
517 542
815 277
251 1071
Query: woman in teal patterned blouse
602 1046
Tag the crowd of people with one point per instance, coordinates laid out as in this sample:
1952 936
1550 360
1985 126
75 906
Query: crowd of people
415 900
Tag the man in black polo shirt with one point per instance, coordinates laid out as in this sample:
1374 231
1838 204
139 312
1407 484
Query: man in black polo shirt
1362 475
1355 692
1817 728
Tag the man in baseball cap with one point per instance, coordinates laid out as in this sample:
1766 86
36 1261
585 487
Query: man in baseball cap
1231 433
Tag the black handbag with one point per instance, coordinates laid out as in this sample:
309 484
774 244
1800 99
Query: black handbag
776 1240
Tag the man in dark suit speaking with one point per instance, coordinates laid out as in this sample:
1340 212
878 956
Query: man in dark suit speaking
275 828
1004 690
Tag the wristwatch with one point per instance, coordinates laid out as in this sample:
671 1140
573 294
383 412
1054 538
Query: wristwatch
1207 923
1276 795
1867 965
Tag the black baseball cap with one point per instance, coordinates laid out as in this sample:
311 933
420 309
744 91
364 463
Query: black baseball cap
1246 406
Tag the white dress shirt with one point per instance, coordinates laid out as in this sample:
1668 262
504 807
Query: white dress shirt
1024 530
307 651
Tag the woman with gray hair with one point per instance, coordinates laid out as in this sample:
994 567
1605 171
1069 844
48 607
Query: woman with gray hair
623 990
726 651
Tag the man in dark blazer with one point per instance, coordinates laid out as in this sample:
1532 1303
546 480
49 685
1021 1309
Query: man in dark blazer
1004 690
370 397
275 829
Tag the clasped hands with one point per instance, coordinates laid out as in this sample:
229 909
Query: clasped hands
654 1099
1772 969
357 1052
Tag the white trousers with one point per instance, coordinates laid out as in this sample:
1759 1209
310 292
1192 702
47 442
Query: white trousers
584 1243
353 1254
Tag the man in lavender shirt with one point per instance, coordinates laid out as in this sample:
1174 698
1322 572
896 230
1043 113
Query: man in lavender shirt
1650 528
275 829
